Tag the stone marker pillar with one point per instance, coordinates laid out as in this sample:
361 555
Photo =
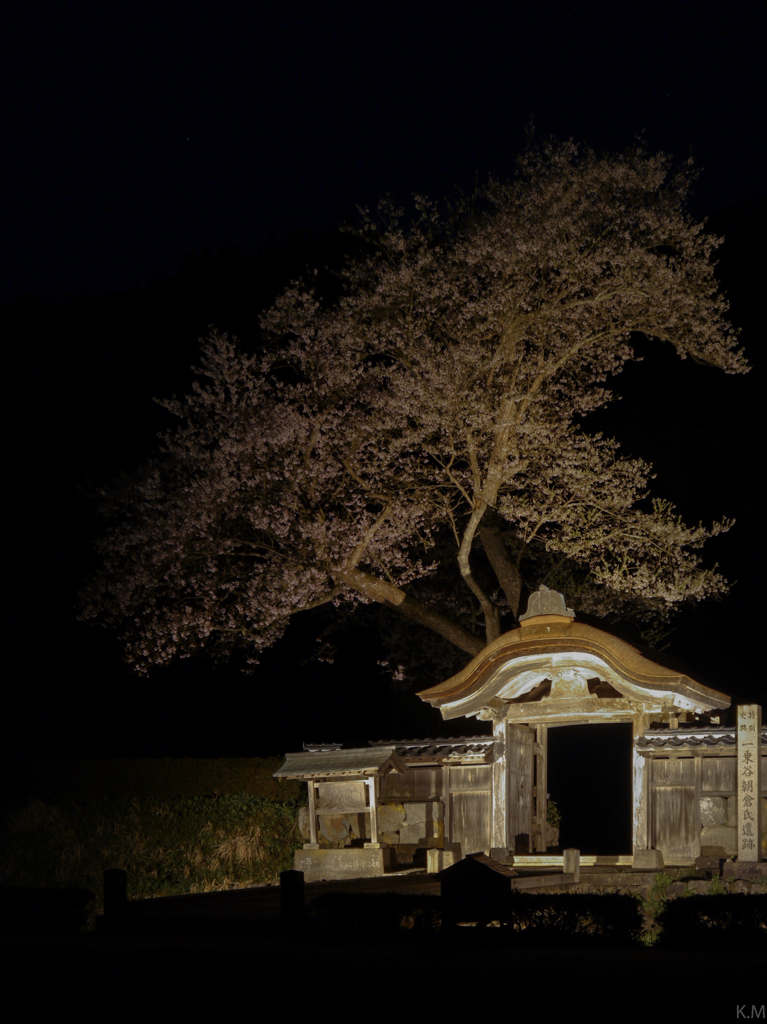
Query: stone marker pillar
749 796
571 864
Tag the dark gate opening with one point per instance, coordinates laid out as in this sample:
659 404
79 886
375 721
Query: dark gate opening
590 780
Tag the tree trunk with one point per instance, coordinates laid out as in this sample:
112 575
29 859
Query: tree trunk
500 559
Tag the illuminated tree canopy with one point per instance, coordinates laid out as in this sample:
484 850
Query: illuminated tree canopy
416 441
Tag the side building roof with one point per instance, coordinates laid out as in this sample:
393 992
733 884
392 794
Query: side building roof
356 761
381 757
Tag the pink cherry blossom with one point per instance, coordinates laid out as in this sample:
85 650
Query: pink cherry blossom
442 395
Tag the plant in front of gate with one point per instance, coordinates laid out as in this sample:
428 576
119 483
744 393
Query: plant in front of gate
717 887
553 814
653 906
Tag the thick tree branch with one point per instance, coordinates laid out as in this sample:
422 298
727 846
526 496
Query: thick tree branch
375 589
466 350
366 538
441 624
489 610
488 496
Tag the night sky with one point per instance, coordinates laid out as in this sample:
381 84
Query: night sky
168 166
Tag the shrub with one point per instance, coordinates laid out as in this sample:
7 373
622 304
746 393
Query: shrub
167 847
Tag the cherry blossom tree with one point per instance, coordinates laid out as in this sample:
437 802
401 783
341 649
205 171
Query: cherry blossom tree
416 440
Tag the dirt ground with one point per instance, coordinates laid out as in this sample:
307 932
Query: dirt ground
316 973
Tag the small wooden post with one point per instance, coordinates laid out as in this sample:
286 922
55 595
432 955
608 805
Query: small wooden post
571 864
115 893
312 844
373 799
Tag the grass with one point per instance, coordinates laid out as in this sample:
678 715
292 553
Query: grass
717 887
653 906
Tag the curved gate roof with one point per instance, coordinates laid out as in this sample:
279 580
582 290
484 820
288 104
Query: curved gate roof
561 670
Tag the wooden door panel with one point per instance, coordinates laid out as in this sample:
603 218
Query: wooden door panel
674 828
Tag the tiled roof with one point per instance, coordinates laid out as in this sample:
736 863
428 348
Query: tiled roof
456 748
325 763
674 739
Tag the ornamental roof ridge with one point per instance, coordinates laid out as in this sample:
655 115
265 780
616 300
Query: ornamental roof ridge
516 661
546 602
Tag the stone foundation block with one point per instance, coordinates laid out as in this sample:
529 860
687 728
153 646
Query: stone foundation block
359 826
436 860
322 865
427 810
648 860
708 863
391 817
713 810
303 823
754 870
720 835
422 833
334 828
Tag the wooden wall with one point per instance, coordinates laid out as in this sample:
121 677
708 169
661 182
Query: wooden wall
471 807
675 817
676 786
415 784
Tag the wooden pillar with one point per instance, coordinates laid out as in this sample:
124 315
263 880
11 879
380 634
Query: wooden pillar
748 775
373 790
640 788
312 844
541 785
447 824
696 827
525 782
500 812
